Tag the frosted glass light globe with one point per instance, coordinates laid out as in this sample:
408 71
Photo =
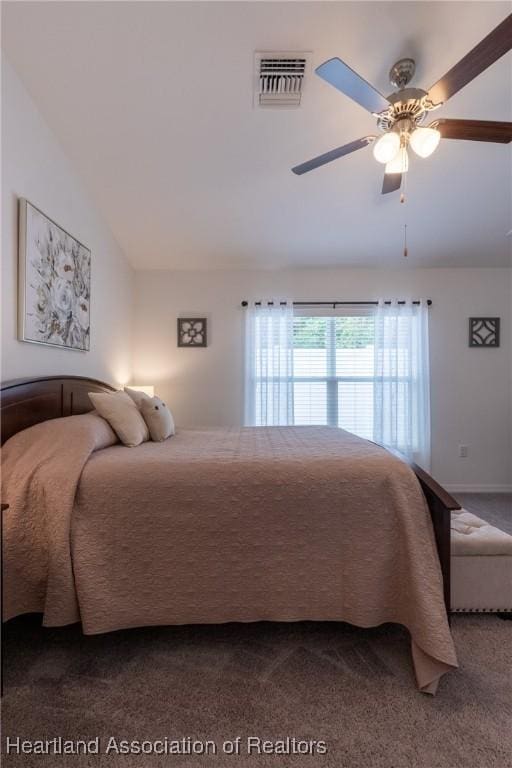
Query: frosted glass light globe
400 163
386 147
424 141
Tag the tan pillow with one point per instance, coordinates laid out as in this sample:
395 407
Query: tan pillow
123 416
158 418
137 396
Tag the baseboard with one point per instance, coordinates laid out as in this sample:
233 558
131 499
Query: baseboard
471 488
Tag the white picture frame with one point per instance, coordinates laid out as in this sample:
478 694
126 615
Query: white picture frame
54 283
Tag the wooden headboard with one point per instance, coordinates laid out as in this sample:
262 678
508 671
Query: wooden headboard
25 402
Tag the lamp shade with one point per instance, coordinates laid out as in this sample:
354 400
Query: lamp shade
399 164
386 147
148 389
424 141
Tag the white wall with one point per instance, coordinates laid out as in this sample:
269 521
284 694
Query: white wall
471 388
34 166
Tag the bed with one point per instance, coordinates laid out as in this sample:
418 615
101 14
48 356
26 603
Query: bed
277 524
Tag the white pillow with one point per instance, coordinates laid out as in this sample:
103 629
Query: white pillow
123 416
137 396
158 418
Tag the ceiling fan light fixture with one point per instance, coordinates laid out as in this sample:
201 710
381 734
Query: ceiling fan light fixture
400 114
424 141
386 147
400 163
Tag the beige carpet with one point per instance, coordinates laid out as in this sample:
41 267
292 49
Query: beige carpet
352 688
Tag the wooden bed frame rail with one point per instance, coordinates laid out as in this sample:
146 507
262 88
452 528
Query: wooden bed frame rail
441 505
26 402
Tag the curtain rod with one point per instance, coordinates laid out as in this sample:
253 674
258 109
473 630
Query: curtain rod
332 304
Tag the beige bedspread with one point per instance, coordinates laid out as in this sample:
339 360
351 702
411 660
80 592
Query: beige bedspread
278 524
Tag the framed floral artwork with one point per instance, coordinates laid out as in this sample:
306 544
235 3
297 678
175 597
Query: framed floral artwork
192 332
54 283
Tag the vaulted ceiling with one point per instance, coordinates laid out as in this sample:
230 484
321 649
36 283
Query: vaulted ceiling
153 104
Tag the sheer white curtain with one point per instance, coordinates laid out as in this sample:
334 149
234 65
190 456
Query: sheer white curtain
401 385
269 364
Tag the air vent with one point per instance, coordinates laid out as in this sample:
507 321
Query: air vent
279 78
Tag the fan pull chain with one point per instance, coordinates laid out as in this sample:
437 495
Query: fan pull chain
404 188
402 200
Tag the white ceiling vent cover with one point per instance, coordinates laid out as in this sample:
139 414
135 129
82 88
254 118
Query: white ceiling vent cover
279 78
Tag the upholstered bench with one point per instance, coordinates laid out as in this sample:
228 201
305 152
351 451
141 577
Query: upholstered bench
481 565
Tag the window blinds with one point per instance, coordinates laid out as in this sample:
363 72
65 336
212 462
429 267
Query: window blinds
333 371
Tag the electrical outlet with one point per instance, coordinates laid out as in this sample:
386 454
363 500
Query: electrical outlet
463 451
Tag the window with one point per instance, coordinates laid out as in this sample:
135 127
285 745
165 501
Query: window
364 369
333 372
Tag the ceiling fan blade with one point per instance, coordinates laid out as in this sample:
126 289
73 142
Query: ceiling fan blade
327 157
475 130
391 182
488 50
339 74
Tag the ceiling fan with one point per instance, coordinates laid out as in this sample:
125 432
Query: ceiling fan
400 115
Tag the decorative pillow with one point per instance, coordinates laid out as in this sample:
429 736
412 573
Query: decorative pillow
123 416
158 418
137 396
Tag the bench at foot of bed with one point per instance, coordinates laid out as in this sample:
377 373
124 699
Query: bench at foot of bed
481 566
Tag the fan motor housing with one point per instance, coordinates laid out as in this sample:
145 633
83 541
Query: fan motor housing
402 72
408 103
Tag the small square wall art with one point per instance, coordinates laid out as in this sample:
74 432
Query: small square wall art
54 280
192 332
484 331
